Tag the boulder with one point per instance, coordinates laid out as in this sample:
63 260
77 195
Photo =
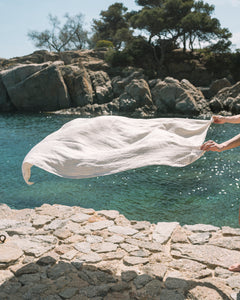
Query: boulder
138 89
217 85
79 85
227 98
172 96
36 87
5 103
102 87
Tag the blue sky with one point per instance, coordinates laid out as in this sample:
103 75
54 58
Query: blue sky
17 17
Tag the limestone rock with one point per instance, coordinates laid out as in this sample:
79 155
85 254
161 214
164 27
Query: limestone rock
199 238
163 231
122 230
201 228
132 260
99 225
109 214
206 254
9 254
79 218
104 247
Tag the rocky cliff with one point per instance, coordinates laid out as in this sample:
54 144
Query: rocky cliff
81 82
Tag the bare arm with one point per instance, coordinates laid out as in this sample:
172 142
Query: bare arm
227 119
229 144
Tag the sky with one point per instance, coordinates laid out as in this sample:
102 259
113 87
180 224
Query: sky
18 17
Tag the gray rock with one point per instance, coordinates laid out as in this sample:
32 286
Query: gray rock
92 239
5 275
153 288
206 254
140 253
90 257
201 228
68 293
132 260
79 85
28 269
122 230
128 247
141 280
69 255
22 83
115 239
34 247
104 247
40 221
83 247
102 87
138 90
5 103
59 270
217 85
9 254
99 225
230 231
199 238
46 260
55 224
232 243
128 275
110 214
79 218
163 231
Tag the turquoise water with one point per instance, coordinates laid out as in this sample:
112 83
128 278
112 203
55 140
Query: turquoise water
205 192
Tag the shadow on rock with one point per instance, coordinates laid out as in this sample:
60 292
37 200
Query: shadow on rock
47 279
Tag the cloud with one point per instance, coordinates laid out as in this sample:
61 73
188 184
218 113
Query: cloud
236 39
234 3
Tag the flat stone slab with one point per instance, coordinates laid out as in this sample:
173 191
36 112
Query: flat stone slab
122 230
132 260
99 225
201 228
9 253
163 231
207 254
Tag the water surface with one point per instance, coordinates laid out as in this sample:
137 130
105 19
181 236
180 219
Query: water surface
206 191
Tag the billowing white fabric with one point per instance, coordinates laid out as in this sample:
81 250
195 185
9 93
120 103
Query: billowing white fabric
109 144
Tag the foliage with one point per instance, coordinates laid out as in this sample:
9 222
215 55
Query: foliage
113 26
168 23
118 58
68 37
104 44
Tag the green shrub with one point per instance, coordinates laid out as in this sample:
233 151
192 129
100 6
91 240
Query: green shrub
104 44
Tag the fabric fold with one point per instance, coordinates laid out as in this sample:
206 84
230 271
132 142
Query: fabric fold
106 145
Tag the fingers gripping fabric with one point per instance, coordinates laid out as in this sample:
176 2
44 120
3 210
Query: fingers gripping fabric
109 144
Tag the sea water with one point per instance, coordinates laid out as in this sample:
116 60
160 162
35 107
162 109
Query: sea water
206 191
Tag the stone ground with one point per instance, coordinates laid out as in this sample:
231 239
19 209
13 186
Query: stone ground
58 252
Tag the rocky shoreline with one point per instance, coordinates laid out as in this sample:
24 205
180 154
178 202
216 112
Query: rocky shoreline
61 252
81 82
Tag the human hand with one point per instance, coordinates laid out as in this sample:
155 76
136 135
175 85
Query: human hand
212 146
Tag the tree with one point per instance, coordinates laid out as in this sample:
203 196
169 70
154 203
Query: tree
113 26
168 23
70 36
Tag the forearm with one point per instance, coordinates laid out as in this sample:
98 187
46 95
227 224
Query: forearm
232 119
232 143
